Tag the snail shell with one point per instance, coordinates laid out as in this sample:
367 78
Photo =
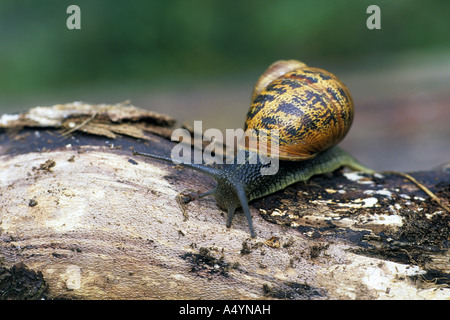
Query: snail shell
275 70
310 107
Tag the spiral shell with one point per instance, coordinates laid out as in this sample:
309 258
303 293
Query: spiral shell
310 107
276 70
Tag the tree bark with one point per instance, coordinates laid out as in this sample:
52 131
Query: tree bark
81 217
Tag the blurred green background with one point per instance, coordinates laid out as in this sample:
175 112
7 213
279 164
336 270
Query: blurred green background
198 59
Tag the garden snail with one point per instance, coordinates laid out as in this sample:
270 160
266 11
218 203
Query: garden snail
312 111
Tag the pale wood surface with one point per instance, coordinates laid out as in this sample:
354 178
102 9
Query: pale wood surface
99 223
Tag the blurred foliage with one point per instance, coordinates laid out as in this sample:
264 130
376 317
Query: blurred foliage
123 41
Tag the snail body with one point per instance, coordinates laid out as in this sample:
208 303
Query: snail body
312 111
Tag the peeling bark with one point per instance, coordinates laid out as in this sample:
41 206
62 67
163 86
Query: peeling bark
82 218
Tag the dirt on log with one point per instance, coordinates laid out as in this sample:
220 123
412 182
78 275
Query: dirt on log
82 218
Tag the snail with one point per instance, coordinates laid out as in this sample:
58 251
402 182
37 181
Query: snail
312 111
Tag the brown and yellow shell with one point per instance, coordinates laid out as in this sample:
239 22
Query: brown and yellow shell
276 70
310 107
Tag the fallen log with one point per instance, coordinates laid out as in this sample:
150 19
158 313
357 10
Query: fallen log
82 218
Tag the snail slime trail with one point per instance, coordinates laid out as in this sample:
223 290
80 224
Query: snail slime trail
298 115
266 143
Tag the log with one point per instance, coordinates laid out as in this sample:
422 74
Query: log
82 218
